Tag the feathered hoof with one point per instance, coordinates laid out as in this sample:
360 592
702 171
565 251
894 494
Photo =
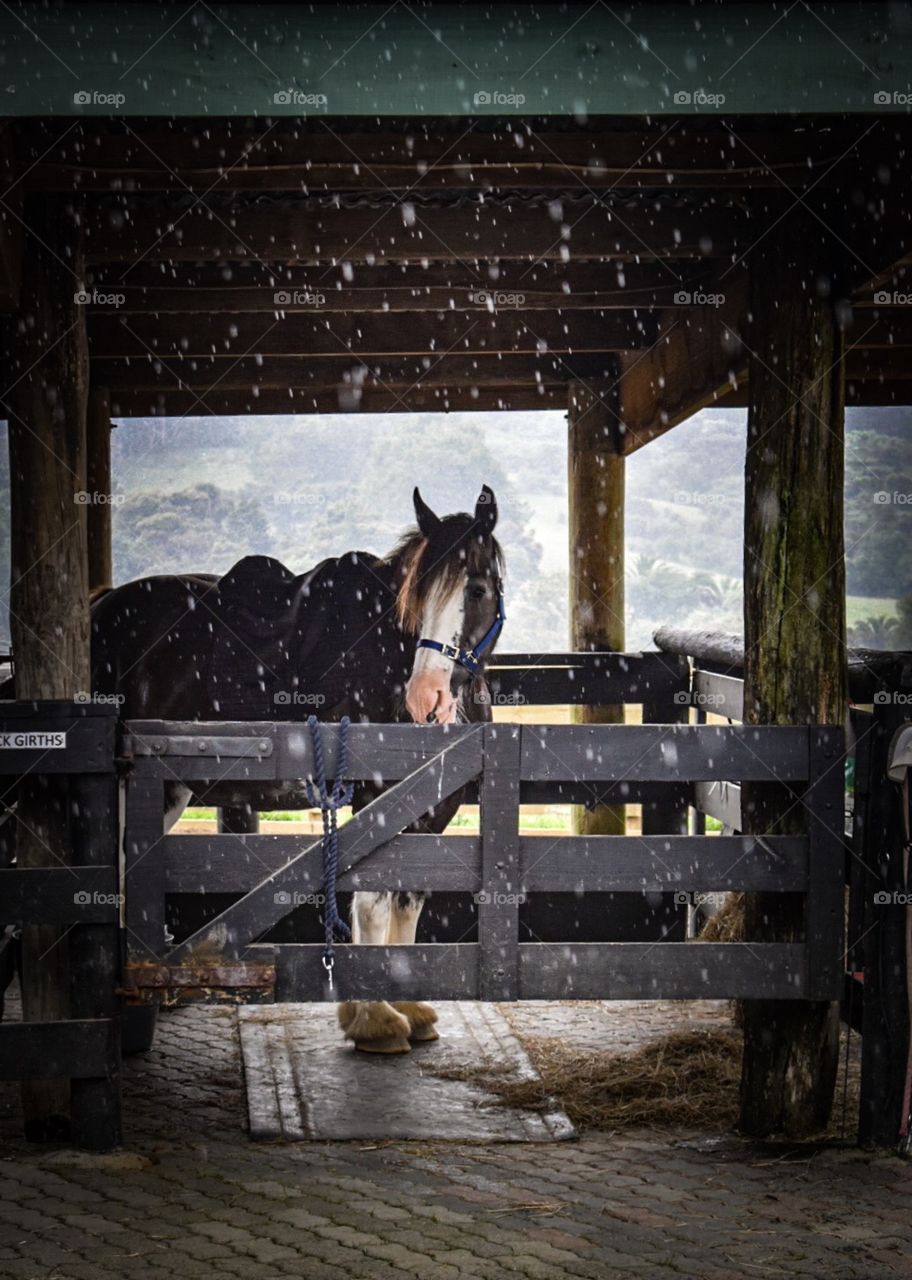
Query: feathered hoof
346 1012
375 1027
421 1019
392 1044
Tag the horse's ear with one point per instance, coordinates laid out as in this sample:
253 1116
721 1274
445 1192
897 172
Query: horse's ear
427 520
486 511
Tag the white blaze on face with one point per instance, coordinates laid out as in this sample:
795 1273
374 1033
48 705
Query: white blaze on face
428 689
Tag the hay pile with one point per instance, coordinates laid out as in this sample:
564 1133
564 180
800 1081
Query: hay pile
686 1080
727 925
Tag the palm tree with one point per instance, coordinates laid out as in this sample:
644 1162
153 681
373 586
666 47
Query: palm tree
875 633
718 592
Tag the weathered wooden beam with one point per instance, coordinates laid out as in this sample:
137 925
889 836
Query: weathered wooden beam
47 376
595 487
868 670
293 333
697 361
435 369
349 370
279 321
345 398
162 288
878 392
411 233
888 327
794 612
404 399
308 156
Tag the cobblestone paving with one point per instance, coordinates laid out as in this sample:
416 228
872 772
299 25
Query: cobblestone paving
191 1196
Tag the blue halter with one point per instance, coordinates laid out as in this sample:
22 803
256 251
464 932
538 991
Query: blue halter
471 659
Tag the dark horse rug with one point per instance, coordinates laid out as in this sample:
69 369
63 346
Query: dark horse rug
272 625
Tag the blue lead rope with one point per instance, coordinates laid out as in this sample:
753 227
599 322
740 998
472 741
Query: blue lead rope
330 802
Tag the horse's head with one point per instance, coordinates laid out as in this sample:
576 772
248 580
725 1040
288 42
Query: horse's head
450 599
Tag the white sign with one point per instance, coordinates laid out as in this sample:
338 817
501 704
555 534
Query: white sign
32 741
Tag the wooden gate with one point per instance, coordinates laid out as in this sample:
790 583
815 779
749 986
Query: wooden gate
500 866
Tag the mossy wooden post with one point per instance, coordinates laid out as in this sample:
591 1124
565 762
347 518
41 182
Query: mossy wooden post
596 521
794 625
98 488
49 621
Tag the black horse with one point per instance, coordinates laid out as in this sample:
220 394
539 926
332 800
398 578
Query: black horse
373 638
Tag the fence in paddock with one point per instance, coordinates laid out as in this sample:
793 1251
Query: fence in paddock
874 997
67 755
662 765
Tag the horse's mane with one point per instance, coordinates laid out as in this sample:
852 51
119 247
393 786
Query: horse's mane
418 581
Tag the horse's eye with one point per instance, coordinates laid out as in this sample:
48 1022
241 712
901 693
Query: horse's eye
477 592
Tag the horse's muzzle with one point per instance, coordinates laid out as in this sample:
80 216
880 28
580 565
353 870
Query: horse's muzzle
429 698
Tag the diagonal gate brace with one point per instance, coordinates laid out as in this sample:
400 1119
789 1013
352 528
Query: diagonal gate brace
378 822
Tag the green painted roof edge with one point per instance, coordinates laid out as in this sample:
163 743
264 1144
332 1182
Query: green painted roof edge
455 60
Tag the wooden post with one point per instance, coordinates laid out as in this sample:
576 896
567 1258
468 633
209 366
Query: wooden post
237 820
98 489
794 627
498 904
882 929
95 963
596 523
49 616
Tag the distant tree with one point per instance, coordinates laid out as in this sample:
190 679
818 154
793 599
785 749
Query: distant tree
716 591
203 529
874 633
